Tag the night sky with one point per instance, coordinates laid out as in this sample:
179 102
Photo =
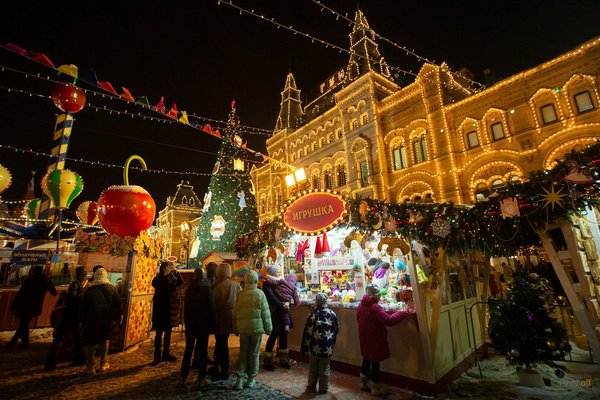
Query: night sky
202 55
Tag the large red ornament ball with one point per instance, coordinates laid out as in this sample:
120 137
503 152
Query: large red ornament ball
68 98
126 210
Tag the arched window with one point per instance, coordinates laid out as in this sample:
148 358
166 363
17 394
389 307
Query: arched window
191 203
338 133
399 157
321 142
482 192
316 181
263 204
328 178
498 183
341 174
420 149
313 146
364 119
330 138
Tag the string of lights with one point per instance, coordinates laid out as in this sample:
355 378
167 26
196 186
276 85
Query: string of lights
378 36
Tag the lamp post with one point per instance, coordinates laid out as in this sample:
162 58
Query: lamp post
297 177
185 234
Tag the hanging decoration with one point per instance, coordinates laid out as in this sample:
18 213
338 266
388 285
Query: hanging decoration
207 197
5 178
441 228
62 186
578 175
242 197
31 209
126 210
216 167
238 164
68 98
509 207
552 197
87 212
217 227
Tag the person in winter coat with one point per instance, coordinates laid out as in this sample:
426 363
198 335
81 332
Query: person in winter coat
372 320
200 318
277 308
28 302
100 307
165 310
252 320
286 291
69 322
318 339
211 272
226 292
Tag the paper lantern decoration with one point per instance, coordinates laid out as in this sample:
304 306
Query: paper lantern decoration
68 98
32 208
126 210
87 212
238 164
5 178
62 186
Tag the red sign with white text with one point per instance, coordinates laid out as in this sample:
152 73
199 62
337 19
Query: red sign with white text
315 212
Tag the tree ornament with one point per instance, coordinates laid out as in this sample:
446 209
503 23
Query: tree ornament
126 210
414 217
5 178
237 141
551 345
32 208
238 164
509 207
217 227
62 186
441 227
363 210
578 175
514 353
390 224
378 224
216 167
87 212
242 196
552 197
207 197
68 98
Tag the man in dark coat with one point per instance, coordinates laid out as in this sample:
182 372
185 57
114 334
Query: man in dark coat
165 310
69 322
200 318
28 302
100 306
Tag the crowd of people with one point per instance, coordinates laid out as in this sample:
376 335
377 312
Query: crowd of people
214 304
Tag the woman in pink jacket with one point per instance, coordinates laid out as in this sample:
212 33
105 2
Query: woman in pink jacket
372 320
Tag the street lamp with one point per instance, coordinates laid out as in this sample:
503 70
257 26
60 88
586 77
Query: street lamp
297 177
185 234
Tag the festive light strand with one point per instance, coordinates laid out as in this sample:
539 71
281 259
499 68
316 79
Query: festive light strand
403 48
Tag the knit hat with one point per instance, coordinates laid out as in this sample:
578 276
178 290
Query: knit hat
373 290
101 276
80 273
273 269
199 274
321 299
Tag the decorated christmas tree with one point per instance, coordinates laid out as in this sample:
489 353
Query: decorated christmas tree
521 324
229 205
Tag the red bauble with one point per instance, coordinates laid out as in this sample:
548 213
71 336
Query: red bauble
126 210
68 98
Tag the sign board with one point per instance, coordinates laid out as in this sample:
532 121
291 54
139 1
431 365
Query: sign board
315 212
110 263
5 255
65 258
29 257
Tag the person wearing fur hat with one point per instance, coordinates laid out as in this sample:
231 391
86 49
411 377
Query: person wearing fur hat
165 310
226 292
277 307
100 306
318 339
252 320
372 332
69 322
200 318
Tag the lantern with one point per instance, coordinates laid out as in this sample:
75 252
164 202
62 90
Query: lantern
32 208
238 164
68 98
126 210
62 186
87 212
5 178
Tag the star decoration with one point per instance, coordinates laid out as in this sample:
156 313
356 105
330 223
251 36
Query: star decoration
553 198
441 227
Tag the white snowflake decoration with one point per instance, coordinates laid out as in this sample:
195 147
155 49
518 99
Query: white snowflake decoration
441 228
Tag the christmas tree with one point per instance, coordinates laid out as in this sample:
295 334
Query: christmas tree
229 205
521 324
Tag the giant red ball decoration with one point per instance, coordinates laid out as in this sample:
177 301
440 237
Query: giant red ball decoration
68 98
126 210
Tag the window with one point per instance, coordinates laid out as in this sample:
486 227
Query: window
472 139
328 176
400 160
364 173
321 142
316 182
263 205
498 183
497 131
300 153
314 146
481 192
420 149
584 102
548 113
330 138
338 133
514 178
353 124
278 198
364 119
341 174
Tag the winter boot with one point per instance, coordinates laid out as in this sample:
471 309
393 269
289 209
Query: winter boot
378 389
250 383
284 359
364 383
268 361
239 384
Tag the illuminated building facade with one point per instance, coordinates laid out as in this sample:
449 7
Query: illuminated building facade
435 139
